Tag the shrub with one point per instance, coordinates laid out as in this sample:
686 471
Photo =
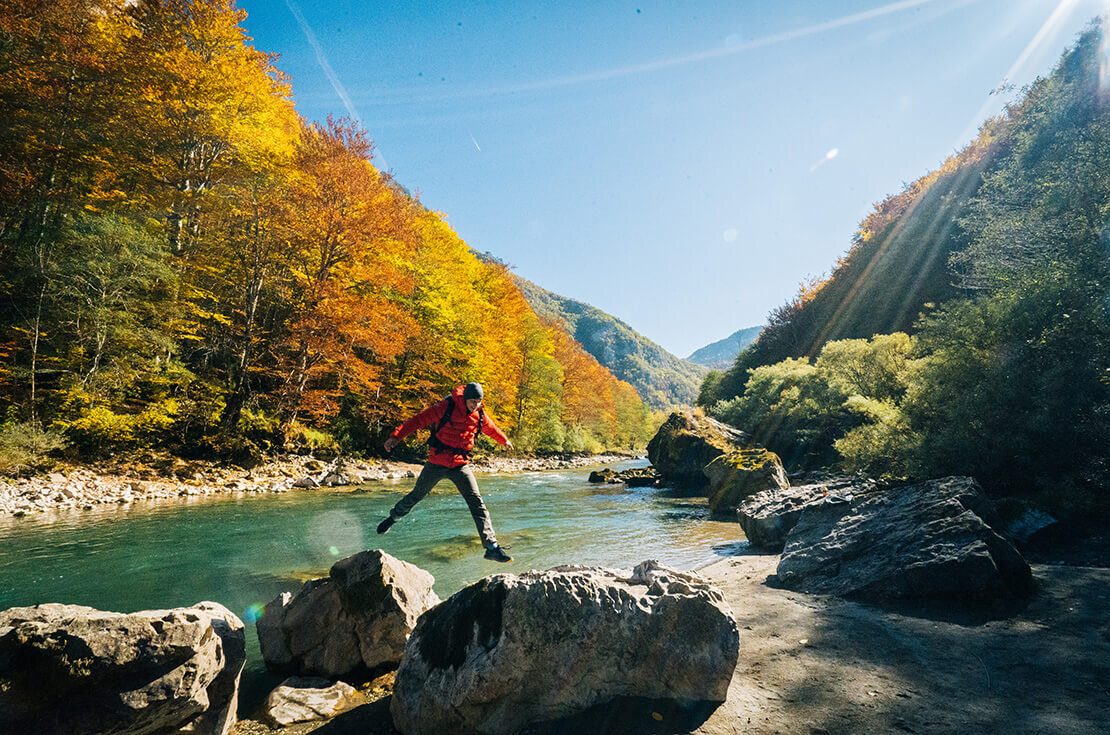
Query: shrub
26 447
98 427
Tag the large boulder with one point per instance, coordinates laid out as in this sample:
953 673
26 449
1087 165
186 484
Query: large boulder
688 441
510 650
741 473
932 539
767 517
357 618
70 670
304 699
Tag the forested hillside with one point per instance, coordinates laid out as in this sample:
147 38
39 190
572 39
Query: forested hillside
997 266
188 264
723 352
661 379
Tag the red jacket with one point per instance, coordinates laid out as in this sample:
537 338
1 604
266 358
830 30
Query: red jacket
459 431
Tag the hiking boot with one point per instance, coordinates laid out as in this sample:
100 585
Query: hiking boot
497 553
386 524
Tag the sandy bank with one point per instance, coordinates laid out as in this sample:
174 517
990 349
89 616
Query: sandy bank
824 665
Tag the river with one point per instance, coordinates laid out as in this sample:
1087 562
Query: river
242 551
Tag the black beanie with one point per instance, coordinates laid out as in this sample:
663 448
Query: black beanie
473 390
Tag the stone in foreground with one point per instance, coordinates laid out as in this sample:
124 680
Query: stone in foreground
767 517
934 539
357 618
741 473
72 670
510 650
304 699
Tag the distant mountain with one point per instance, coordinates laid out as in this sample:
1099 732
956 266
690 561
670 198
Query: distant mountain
662 379
722 353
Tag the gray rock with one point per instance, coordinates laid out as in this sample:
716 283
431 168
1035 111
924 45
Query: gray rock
358 616
926 540
335 479
306 482
686 443
69 669
767 517
740 473
512 650
303 699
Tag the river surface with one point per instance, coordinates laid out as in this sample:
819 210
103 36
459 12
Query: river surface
242 551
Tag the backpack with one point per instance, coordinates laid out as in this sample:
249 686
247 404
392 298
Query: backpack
434 440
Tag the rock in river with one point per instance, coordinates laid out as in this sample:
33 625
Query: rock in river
510 650
71 670
738 474
931 539
357 617
688 441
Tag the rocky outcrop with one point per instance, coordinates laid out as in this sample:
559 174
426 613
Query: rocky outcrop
303 699
767 517
738 474
926 540
70 670
358 617
688 441
512 650
637 477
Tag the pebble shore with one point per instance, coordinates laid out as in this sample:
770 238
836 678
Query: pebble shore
73 487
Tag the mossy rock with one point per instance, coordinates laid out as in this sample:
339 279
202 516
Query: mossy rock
739 474
688 441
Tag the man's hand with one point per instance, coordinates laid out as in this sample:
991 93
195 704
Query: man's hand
508 445
390 443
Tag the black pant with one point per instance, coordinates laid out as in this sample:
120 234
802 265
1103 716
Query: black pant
467 484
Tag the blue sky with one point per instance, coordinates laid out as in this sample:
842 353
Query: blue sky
681 165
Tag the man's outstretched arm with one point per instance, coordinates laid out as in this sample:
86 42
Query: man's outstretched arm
429 416
493 431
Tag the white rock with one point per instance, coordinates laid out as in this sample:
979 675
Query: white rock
303 699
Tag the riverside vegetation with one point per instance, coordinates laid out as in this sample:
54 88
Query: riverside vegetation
967 330
190 266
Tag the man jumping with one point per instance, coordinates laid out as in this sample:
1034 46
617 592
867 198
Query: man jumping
456 422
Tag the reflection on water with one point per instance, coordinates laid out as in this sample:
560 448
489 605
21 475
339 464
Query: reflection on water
243 551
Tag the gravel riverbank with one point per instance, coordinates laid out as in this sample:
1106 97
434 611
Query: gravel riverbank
121 482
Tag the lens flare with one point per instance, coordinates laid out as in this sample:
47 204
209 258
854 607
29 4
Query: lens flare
253 612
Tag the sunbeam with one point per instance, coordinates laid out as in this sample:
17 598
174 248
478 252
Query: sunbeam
1055 19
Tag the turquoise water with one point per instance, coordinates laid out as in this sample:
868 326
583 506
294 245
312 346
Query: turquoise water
243 551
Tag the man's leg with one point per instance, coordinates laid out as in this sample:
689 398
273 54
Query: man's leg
464 480
429 476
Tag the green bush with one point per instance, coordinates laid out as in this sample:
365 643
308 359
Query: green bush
789 408
300 438
579 440
27 447
884 445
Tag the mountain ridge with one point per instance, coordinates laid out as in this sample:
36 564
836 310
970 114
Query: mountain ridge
721 354
662 379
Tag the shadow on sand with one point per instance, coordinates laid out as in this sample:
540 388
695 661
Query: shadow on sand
624 716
